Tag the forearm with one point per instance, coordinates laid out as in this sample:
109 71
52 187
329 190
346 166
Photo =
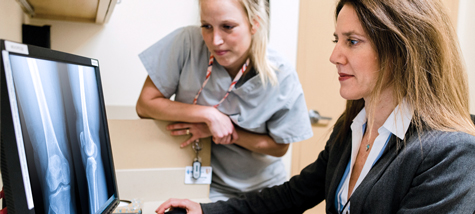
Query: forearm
165 109
260 143
153 104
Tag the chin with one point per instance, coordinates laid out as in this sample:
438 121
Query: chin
348 95
222 61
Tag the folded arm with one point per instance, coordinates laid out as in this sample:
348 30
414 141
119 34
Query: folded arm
153 104
260 143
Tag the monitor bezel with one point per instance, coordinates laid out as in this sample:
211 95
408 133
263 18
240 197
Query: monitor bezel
8 130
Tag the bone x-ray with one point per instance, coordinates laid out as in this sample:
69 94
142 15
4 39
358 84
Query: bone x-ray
60 119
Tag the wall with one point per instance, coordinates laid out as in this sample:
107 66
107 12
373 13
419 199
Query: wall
284 24
465 31
11 18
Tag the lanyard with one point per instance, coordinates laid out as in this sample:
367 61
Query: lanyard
196 146
208 74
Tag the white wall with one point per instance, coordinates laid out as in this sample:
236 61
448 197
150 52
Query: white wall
11 18
284 26
466 32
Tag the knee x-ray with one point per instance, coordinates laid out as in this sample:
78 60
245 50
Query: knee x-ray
60 118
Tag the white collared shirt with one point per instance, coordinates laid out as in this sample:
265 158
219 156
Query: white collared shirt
397 124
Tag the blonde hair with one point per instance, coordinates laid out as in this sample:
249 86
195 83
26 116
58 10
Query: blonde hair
258 11
420 58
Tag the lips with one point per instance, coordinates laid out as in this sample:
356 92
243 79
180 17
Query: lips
344 76
220 52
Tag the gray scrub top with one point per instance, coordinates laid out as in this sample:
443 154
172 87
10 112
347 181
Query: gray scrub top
177 64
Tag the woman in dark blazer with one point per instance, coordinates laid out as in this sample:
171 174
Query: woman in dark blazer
405 143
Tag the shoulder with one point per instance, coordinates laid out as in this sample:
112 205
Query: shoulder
444 141
176 41
279 62
190 33
285 71
453 143
439 147
192 30
439 161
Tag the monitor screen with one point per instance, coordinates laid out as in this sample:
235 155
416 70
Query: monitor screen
57 120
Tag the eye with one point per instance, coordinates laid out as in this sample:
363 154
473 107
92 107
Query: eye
335 41
353 42
205 26
228 27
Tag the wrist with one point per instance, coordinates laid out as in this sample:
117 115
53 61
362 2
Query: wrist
209 115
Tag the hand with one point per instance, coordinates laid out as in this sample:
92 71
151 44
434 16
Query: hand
221 127
197 131
190 206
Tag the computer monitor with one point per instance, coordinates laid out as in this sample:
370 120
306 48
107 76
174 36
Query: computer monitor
56 155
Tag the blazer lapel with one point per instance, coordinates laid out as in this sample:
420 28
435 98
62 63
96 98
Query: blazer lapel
342 151
358 197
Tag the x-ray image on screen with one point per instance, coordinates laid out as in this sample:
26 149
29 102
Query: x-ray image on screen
87 127
58 108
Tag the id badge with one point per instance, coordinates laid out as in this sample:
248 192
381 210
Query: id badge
196 169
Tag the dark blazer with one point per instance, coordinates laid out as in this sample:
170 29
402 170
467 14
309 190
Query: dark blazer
435 174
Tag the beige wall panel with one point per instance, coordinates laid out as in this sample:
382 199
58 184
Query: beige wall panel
11 18
452 9
154 185
146 143
149 163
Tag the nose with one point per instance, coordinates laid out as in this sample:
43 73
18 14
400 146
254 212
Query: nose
337 56
217 38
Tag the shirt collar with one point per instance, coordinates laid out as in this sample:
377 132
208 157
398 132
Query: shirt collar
397 123
359 120
399 120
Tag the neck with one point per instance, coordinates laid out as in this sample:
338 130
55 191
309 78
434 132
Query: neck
234 70
378 113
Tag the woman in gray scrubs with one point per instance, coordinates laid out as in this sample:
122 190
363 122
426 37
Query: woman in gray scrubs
229 86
